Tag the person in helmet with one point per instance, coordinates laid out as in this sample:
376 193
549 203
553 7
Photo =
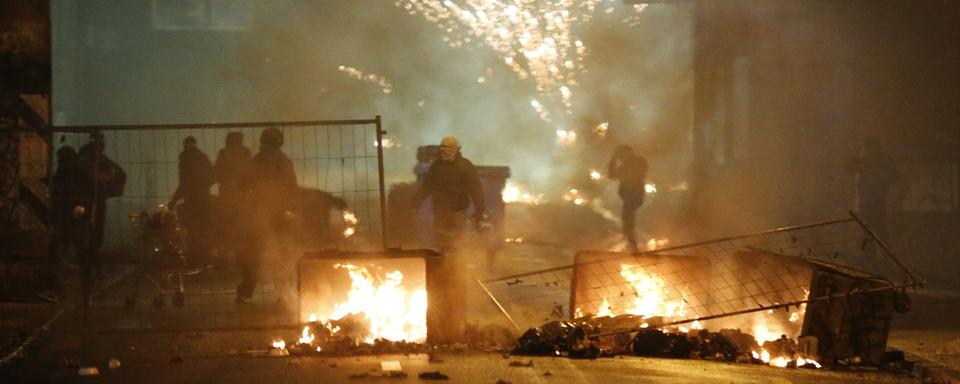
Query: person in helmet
268 190
631 170
453 182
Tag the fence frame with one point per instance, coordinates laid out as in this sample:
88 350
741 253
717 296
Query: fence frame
97 130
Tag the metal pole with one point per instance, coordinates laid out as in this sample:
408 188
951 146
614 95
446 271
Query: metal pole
886 250
383 194
497 303
770 307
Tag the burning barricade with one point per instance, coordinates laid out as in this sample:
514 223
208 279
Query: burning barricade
806 296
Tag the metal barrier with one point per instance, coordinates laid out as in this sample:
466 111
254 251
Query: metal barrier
340 203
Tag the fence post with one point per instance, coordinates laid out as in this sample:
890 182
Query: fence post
383 194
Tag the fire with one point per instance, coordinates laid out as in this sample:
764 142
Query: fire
649 300
306 337
516 240
390 311
279 344
514 193
604 309
650 188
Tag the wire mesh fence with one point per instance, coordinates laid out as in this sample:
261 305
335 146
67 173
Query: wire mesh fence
337 203
703 280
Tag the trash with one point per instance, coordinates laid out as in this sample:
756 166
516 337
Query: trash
277 352
656 343
558 338
379 375
390 365
518 363
88 371
114 363
434 375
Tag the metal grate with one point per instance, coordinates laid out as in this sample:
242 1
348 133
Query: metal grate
709 279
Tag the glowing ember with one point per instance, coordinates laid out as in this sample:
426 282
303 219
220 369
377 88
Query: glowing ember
350 220
595 175
360 75
601 129
574 196
567 138
381 300
514 193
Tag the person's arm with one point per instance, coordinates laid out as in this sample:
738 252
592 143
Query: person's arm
424 190
613 168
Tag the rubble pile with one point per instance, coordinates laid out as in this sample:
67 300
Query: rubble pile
559 338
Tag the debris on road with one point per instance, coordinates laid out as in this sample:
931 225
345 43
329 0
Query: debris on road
518 363
433 375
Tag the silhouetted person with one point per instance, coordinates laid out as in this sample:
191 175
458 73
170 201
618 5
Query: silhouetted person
71 197
453 182
631 170
196 178
875 172
233 162
109 180
269 190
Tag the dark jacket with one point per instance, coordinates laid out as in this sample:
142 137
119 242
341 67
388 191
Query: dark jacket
196 175
270 185
72 187
631 170
452 184
232 163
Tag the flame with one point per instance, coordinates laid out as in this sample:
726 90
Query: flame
517 240
604 309
306 337
696 325
650 188
649 300
514 193
312 318
279 344
391 312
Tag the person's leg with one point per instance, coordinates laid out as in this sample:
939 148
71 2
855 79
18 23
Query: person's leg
249 260
628 215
